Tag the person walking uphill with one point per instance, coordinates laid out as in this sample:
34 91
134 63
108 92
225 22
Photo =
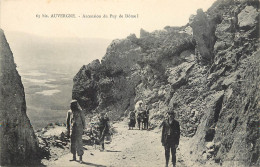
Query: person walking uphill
76 122
170 137
103 129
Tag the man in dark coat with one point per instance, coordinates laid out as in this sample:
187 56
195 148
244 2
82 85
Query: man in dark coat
170 136
146 118
103 129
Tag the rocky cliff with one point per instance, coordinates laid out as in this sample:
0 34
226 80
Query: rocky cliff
18 143
206 71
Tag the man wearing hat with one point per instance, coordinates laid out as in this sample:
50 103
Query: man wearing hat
76 122
170 136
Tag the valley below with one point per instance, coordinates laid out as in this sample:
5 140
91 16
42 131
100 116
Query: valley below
47 99
47 72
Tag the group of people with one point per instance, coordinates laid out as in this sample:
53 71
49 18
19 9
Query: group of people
76 124
76 121
140 114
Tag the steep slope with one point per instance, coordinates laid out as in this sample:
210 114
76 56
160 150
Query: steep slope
228 131
18 143
206 71
129 63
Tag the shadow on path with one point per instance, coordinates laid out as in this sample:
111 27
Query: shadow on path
112 151
91 164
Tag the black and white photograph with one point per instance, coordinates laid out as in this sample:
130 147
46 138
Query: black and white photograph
129 83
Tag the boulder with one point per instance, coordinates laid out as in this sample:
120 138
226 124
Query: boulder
204 33
247 17
143 33
210 145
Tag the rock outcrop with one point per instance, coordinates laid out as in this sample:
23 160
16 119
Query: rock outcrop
206 71
18 143
129 65
204 27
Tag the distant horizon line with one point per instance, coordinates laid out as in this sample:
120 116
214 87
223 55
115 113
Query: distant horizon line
84 37
33 34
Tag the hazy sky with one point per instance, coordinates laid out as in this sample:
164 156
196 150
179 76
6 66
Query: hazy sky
20 15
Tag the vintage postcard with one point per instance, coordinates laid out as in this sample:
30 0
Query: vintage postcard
129 83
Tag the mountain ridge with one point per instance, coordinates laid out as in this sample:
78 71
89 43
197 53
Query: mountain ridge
206 76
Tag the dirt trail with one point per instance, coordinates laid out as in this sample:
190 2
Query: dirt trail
128 148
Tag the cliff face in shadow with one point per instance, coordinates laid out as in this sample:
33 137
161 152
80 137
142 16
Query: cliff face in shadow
207 72
18 143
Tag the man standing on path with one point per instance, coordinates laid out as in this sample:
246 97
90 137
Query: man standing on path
139 111
146 118
170 136
103 129
76 121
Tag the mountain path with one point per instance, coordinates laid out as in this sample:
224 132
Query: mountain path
128 148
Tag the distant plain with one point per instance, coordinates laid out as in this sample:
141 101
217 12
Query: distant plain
47 67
